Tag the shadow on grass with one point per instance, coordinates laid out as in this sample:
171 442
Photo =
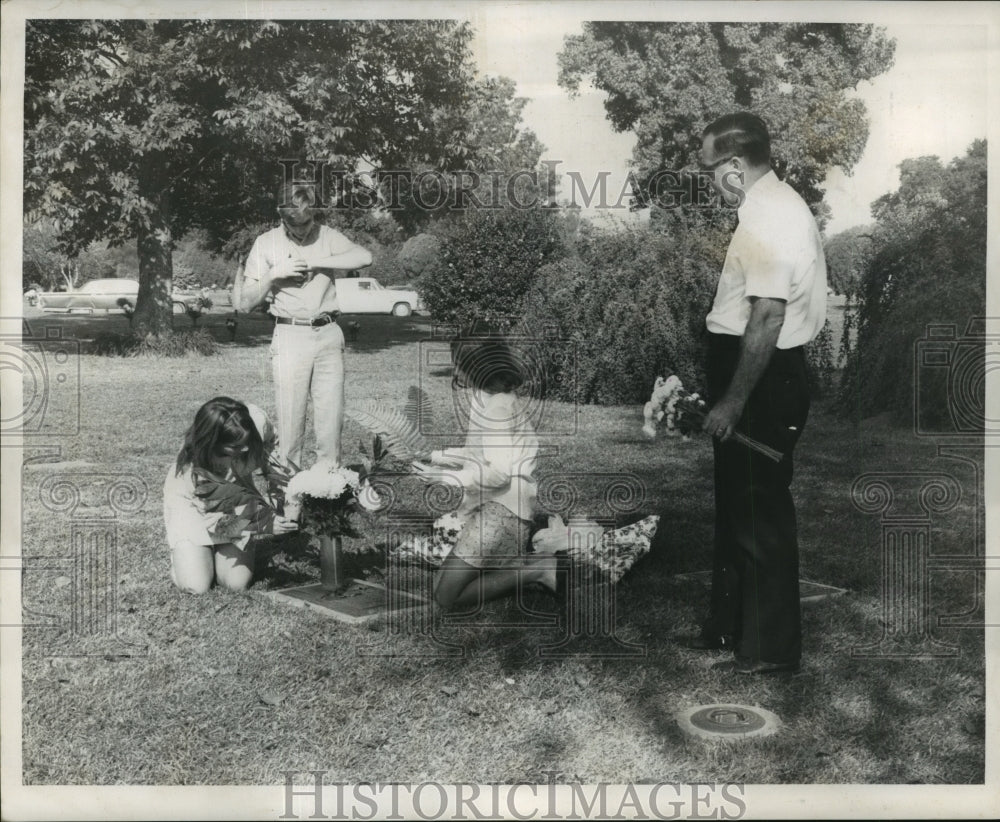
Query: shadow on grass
845 719
285 561
363 332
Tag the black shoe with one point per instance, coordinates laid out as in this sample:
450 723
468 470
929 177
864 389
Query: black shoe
703 642
762 668
758 668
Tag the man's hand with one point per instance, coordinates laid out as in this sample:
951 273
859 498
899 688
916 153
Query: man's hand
293 269
721 420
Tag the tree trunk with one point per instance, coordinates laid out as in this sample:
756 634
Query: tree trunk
154 307
70 275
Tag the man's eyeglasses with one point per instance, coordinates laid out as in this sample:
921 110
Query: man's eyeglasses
713 166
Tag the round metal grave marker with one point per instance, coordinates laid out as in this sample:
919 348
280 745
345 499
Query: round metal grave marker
725 721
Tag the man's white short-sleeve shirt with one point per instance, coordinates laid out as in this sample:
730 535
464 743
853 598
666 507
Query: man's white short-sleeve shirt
776 252
275 245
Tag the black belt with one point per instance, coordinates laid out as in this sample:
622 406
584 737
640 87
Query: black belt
731 343
323 319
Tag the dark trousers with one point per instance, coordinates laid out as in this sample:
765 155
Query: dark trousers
755 574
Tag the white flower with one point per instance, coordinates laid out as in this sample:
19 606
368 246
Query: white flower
335 487
322 482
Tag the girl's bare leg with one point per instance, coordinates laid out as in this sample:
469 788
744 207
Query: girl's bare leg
460 585
234 567
192 567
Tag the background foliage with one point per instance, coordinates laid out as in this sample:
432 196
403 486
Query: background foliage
848 255
145 129
488 261
928 265
150 148
632 302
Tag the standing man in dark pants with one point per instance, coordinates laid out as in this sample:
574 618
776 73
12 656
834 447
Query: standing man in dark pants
770 302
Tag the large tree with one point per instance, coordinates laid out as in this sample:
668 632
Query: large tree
494 148
667 81
138 129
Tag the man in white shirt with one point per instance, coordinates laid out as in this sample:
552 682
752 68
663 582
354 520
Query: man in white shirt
294 265
770 302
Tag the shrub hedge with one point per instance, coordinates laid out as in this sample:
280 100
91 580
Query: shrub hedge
632 303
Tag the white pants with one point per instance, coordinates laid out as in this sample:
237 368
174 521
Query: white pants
309 362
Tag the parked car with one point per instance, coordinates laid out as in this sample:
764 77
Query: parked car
102 295
95 295
366 295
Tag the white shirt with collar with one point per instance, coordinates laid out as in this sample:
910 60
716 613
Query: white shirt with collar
776 252
275 245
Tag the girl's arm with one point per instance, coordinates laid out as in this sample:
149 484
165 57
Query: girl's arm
494 466
509 449
451 456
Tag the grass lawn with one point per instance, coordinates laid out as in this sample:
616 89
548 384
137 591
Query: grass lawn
235 689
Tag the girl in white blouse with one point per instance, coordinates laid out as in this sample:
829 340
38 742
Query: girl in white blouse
495 472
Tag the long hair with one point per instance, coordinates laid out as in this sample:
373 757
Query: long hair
220 423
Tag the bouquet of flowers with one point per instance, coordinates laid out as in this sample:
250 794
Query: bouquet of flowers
323 498
612 552
684 413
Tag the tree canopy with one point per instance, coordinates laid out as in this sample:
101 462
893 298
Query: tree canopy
667 81
145 129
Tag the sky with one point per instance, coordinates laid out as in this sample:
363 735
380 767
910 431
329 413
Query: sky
931 102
